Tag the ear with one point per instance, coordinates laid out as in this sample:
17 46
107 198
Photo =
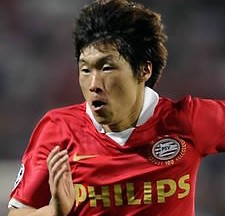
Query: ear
145 72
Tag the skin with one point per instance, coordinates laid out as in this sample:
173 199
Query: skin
61 187
104 75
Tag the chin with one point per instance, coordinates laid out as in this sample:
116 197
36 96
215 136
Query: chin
102 119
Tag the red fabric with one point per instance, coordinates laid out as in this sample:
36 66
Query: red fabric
154 173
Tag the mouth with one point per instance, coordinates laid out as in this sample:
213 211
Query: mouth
98 105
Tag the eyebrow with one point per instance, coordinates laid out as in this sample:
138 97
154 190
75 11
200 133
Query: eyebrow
99 61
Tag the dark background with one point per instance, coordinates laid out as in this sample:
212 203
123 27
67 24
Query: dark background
38 73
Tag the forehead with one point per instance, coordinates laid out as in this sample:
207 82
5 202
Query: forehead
95 52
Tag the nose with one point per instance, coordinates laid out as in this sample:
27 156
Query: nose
96 84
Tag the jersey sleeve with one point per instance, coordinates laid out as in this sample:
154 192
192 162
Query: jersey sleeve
31 187
207 118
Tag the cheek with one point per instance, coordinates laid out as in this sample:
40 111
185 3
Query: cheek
125 84
123 90
83 85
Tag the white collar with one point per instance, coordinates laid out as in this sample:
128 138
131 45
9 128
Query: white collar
151 99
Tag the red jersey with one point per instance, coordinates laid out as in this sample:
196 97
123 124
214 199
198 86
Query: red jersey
153 173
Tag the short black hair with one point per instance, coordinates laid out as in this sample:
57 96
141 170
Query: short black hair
136 31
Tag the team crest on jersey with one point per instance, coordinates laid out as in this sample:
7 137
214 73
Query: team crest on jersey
19 176
167 151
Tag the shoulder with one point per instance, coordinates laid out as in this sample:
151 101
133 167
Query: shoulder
68 111
56 120
196 107
70 114
174 113
171 105
187 103
189 109
57 126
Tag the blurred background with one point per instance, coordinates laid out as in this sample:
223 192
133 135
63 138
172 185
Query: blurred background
38 73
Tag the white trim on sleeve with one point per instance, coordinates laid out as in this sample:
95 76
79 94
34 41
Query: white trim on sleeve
14 203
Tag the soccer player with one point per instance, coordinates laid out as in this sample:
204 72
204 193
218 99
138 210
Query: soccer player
124 151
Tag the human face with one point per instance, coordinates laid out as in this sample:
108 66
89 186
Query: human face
110 88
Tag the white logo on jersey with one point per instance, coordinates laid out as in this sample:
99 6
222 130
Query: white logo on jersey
166 149
19 176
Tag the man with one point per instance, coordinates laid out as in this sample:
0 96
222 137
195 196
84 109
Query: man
125 151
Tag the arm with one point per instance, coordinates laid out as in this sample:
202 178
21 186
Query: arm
208 125
46 210
61 187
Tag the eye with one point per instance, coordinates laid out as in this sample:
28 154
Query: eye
107 68
85 70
